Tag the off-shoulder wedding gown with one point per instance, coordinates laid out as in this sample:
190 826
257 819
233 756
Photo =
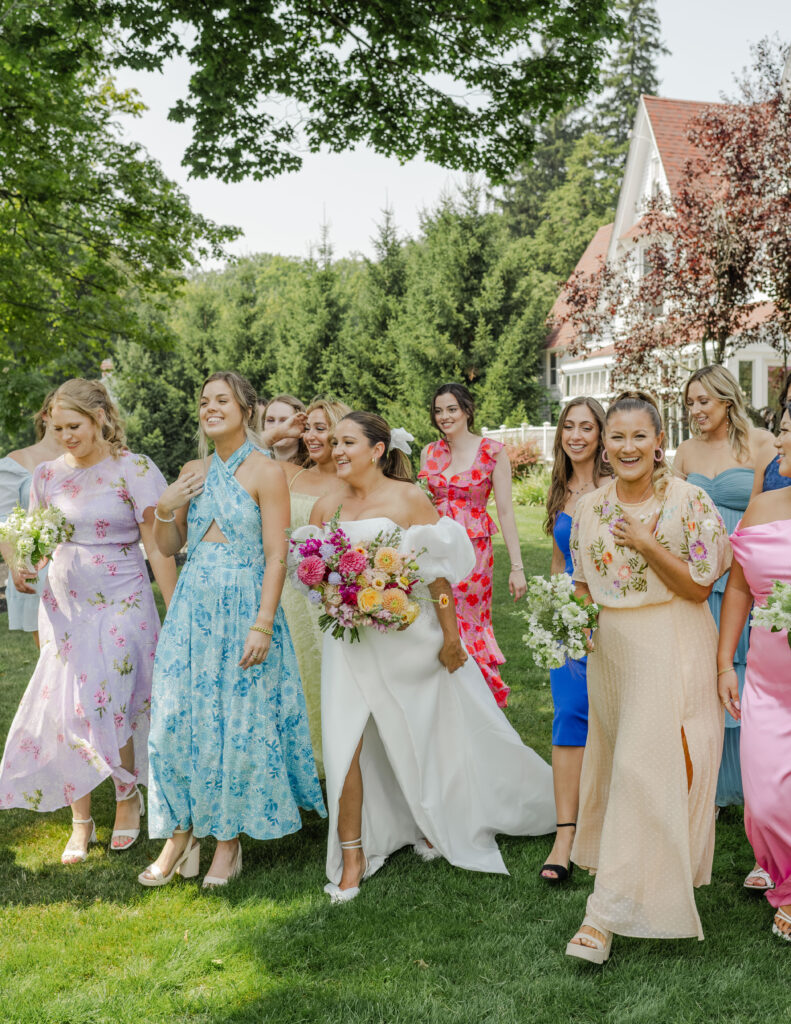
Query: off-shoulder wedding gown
439 759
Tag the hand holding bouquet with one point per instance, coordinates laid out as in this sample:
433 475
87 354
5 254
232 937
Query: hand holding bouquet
33 536
776 613
557 621
358 584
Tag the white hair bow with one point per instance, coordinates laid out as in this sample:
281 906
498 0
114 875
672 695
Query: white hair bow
400 438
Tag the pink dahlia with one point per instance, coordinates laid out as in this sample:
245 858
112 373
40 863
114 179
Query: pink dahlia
311 570
352 562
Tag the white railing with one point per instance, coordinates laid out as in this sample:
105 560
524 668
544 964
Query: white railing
543 436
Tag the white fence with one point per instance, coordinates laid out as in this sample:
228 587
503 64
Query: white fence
543 436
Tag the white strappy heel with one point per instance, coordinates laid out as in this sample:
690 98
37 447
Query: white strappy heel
335 893
187 865
128 833
786 936
426 852
73 854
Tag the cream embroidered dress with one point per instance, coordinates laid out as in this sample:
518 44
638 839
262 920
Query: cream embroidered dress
647 831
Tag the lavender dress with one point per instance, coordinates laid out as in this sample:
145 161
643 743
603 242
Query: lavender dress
91 689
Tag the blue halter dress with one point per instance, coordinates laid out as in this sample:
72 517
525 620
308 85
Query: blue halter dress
569 684
229 748
730 491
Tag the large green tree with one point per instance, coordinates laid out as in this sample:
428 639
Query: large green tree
88 221
462 83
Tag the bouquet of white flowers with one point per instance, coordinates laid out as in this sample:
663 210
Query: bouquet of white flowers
34 535
776 613
557 621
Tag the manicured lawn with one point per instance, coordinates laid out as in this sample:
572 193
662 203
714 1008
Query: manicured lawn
422 943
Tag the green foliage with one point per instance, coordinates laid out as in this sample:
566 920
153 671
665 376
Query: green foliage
462 84
532 489
87 220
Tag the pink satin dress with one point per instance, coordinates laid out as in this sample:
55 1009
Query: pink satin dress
464 497
764 553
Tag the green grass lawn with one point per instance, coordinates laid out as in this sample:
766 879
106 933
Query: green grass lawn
423 942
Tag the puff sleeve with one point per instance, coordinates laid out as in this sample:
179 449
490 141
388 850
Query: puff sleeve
443 549
144 482
706 546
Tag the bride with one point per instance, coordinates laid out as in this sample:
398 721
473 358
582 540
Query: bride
416 750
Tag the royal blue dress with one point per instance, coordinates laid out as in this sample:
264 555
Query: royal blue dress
773 481
569 684
730 491
229 749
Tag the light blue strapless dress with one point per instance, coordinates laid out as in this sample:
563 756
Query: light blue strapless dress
730 491
15 484
229 749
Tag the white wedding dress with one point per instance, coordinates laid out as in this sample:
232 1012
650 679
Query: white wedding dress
439 759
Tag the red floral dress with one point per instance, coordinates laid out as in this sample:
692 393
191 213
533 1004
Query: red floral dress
464 499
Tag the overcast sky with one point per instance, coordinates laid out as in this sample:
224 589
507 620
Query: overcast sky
709 40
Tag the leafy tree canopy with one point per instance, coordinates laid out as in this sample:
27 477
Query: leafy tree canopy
462 83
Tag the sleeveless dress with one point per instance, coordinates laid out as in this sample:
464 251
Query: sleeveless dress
439 759
569 684
463 497
229 748
98 626
646 831
773 481
303 625
15 484
730 491
764 553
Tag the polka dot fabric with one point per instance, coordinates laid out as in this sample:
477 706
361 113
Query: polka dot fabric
463 497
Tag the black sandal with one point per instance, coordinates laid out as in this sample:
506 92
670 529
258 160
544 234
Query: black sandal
563 873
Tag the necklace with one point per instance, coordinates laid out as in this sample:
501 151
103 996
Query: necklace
579 490
643 497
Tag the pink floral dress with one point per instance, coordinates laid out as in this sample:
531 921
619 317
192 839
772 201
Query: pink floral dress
463 497
98 624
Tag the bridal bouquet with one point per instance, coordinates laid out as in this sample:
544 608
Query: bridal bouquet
557 621
776 613
358 585
33 536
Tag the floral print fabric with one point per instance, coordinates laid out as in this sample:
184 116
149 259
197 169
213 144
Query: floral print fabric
689 526
98 624
230 749
464 497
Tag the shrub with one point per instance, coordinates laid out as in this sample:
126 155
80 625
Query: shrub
532 489
522 457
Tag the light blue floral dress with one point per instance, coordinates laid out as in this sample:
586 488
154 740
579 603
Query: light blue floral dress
229 749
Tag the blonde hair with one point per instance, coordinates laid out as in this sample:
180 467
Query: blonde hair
644 401
333 409
39 421
561 464
89 397
301 456
720 384
246 398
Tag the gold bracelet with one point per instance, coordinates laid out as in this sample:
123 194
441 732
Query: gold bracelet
264 630
722 671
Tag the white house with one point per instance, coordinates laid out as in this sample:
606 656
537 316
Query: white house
658 152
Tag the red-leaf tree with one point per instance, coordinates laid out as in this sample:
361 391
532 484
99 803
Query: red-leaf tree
710 266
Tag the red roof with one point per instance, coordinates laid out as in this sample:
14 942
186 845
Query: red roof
589 263
670 121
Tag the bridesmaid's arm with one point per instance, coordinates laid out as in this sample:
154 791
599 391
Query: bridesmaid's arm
761 464
503 498
670 568
162 566
736 604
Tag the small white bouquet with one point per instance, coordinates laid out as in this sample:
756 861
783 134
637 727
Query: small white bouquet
33 536
776 613
557 621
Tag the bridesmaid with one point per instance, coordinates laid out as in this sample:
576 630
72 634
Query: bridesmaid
306 485
84 716
767 475
721 457
283 423
230 746
16 476
647 548
460 471
577 469
762 553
